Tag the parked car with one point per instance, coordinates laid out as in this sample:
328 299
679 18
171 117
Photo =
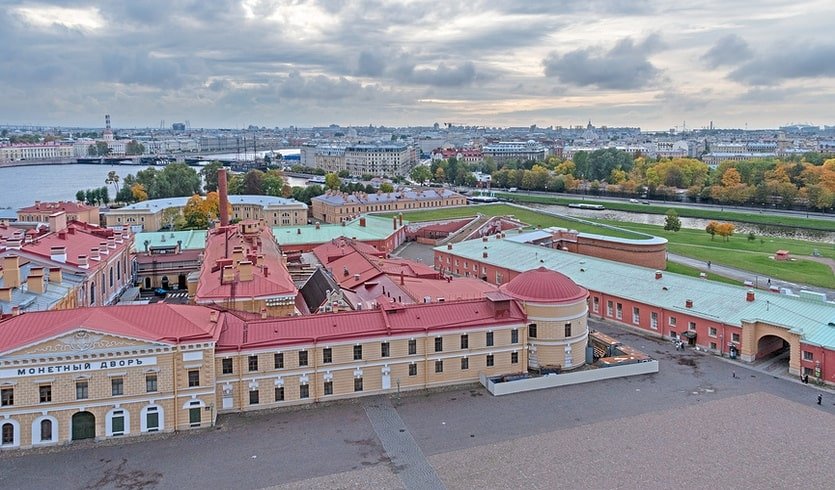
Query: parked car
160 291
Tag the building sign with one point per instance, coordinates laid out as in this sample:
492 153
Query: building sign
78 367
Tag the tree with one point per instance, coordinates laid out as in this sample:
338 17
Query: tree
272 183
175 180
113 178
711 229
421 174
134 148
209 173
386 187
725 230
671 222
79 196
236 184
100 149
139 192
104 196
332 181
440 175
169 217
195 213
254 182
343 174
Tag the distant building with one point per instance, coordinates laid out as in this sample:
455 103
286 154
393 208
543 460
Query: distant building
468 155
178 127
41 151
511 151
335 207
75 211
148 215
376 159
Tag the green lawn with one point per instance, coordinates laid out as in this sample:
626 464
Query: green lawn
686 270
531 217
737 216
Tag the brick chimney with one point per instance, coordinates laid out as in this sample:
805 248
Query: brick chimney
658 275
58 254
56 275
749 296
57 221
11 271
36 282
362 221
228 276
223 194
6 295
688 303
245 270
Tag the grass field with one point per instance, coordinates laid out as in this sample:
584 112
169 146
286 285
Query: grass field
532 217
741 217
686 270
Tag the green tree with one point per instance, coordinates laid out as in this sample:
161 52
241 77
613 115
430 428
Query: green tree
386 187
672 222
79 196
169 217
272 183
134 148
236 184
440 175
343 174
104 196
113 178
421 174
209 173
332 181
175 180
89 197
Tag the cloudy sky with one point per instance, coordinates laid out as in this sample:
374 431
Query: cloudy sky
231 63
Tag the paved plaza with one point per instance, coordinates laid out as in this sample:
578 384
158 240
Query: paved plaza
691 425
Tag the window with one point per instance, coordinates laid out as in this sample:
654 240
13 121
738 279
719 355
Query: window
489 339
81 392
465 341
439 344
808 356
595 304
150 383
253 397
117 423
302 358
568 330
490 360
279 393
713 346
46 430
117 386
357 384
465 363
152 419
691 326
412 369
619 314
253 363
609 309
735 337
278 360
636 315
226 366
712 331
327 355
532 331
672 321
514 336
329 387
6 397
45 393
412 347
514 358
193 378
385 349
357 352
653 320
8 434
439 366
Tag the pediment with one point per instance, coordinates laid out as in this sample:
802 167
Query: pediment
83 341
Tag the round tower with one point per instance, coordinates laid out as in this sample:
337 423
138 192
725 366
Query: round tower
557 311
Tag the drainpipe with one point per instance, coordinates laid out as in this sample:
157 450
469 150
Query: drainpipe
176 388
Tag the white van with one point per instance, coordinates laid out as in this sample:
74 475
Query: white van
512 189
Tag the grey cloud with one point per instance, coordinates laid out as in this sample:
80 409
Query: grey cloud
318 87
788 62
370 65
624 67
442 76
728 50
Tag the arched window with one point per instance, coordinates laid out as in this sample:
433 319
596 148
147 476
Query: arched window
152 419
111 276
9 434
117 422
119 271
92 293
46 430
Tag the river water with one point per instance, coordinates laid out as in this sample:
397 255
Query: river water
22 186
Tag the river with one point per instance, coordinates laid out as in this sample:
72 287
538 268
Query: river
22 186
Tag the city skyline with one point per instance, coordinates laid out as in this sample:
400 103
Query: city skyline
647 64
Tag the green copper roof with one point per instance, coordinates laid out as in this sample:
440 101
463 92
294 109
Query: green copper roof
813 319
376 228
191 240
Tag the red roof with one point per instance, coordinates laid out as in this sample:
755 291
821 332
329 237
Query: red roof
54 207
183 256
79 239
270 277
158 322
390 320
339 247
544 286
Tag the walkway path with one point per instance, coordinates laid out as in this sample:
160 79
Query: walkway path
760 281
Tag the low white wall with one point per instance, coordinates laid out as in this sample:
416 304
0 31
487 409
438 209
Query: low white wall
565 379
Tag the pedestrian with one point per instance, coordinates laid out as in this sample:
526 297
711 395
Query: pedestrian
733 374
769 281
820 398
708 264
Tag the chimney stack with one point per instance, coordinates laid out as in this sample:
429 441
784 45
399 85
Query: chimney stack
58 254
36 282
57 221
11 271
264 313
362 221
223 192
688 303
749 296
228 275
56 275
82 262
658 274
245 270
